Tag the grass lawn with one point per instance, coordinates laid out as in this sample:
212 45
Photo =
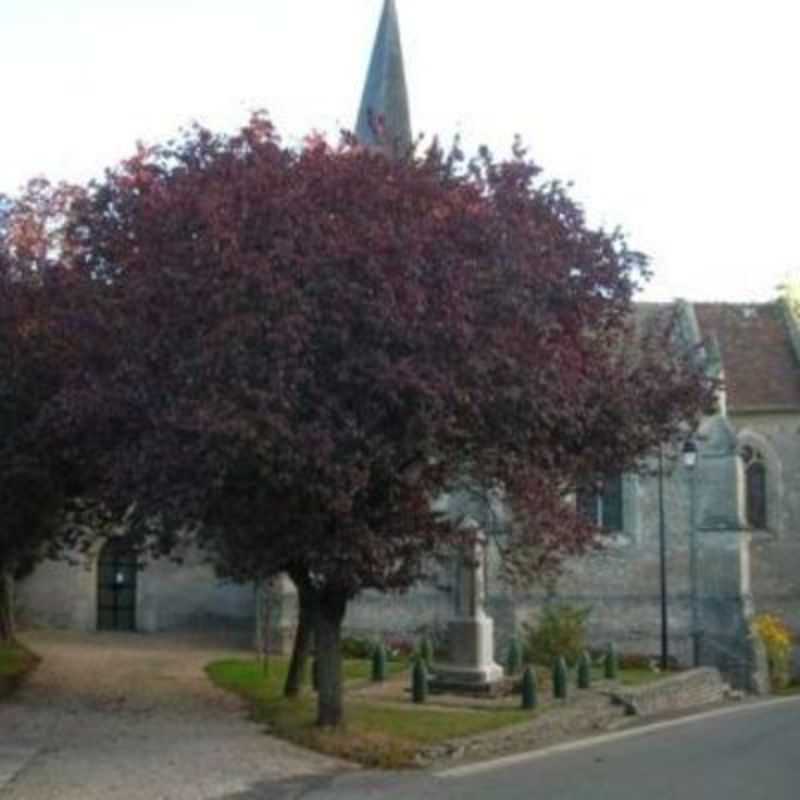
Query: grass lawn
636 677
628 677
16 662
376 734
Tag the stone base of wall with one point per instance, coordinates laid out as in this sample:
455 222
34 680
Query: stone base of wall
696 687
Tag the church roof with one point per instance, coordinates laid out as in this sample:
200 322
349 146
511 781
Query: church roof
760 366
384 120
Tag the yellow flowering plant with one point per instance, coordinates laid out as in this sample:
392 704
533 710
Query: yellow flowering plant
778 640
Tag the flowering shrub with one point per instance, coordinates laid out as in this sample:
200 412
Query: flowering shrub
778 641
559 631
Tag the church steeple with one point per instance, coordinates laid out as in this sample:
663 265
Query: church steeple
383 119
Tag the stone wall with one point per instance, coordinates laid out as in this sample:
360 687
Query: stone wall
620 583
775 552
170 596
696 687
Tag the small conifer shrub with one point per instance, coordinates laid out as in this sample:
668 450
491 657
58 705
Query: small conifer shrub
419 682
611 662
560 681
379 662
426 650
529 691
584 671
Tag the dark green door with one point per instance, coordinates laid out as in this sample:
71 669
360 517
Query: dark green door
116 587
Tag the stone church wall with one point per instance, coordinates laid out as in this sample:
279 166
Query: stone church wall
169 596
620 584
775 552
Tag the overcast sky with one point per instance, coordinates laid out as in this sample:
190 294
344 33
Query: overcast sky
678 121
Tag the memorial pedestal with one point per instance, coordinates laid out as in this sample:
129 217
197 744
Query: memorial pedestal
470 666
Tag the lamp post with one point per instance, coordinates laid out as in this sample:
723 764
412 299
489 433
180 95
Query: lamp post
690 462
662 553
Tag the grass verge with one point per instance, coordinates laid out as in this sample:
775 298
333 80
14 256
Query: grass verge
637 677
791 689
16 661
375 734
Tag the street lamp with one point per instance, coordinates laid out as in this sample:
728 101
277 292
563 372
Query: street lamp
662 561
690 462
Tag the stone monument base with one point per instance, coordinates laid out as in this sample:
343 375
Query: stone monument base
470 666
463 680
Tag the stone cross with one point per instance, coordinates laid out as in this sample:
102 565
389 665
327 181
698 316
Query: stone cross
470 596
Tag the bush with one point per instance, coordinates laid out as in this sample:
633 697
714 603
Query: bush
357 647
560 632
399 649
777 640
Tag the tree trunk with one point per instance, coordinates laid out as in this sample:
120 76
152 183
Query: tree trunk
7 627
332 607
303 637
263 623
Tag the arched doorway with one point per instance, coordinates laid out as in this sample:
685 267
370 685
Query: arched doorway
116 587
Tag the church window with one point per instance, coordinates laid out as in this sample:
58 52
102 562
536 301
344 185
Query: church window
601 502
755 472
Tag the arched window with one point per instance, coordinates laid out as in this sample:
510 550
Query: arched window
755 504
601 502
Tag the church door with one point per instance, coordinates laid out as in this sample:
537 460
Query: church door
116 587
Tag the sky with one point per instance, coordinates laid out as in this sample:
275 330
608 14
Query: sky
677 121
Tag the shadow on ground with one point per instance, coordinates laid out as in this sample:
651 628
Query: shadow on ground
408 785
293 789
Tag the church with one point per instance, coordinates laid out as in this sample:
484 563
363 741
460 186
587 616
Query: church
701 543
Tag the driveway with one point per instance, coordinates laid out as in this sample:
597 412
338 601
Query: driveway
133 716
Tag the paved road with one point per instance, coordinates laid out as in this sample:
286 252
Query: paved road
750 754
131 717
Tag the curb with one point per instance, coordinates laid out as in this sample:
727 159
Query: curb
13 760
582 744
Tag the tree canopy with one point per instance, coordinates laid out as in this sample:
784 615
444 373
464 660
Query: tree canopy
33 479
302 349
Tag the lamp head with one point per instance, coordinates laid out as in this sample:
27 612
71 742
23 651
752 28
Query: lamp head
689 453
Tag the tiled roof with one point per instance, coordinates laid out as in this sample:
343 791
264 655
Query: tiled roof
761 369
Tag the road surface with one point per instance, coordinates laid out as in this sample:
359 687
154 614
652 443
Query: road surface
746 752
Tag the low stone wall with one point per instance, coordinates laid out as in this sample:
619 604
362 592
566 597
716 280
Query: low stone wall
696 687
584 714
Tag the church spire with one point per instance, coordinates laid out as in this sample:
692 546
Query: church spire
383 119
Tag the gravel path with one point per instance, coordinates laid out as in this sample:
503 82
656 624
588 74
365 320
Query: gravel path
131 716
